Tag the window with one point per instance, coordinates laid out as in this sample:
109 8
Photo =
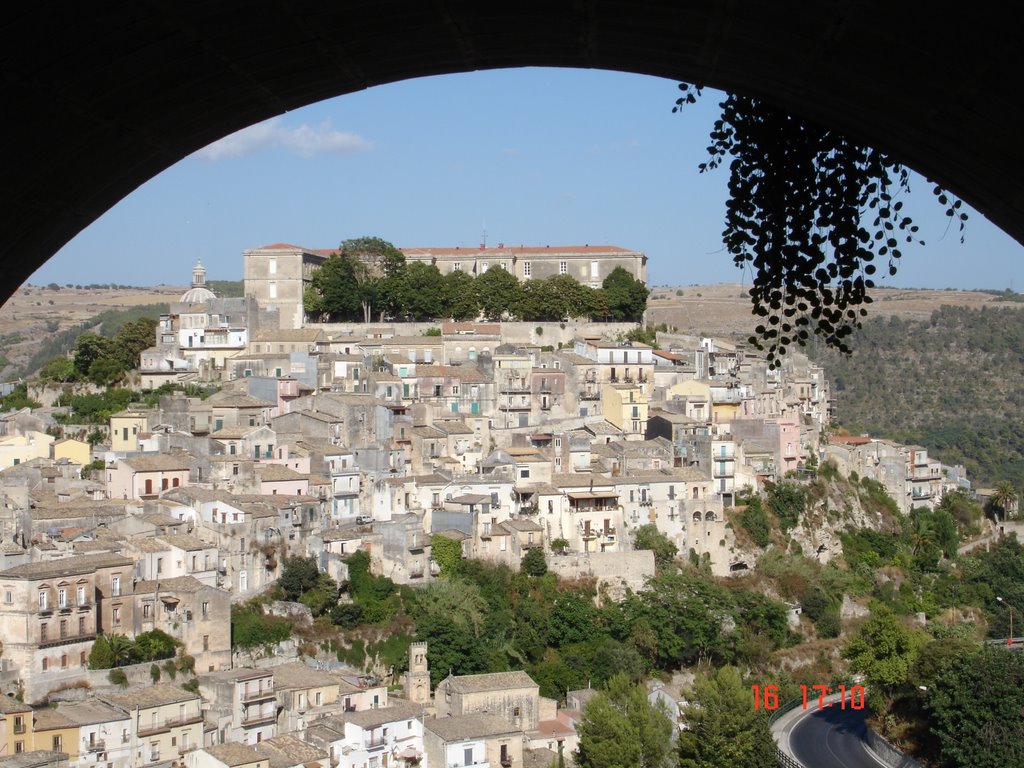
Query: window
526 269
81 595
44 600
563 268
57 744
457 266
81 625
42 632
115 586
64 661
206 610
206 642
272 266
19 723
8 596
524 473
273 290
46 663
147 610
115 615
62 598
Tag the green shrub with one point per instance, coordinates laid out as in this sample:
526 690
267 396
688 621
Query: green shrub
154 673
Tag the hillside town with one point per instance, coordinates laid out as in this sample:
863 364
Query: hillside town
322 440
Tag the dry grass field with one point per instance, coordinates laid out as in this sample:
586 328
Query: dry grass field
34 313
724 309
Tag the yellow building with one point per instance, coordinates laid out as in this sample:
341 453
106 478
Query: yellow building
18 449
696 395
57 733
16 732
625 406
76 451
125 428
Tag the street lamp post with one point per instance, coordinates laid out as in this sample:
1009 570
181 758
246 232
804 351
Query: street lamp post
1009 640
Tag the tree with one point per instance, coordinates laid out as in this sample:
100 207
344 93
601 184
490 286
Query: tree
110 651
90 347
132 339
424 292
622 729
298 576
322 596
534 563
498 293
333 292
975 705
573 620
1004 499
59 369
649 537
459 297
152 646
454 600
883 650
373 260
809 211
625 295
724 729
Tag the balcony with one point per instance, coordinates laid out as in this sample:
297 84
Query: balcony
97 745
374 742
166 725
66 640
260 695
590 396
515 388
259 718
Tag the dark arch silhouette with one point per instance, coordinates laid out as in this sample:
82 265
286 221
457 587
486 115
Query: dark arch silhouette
99 97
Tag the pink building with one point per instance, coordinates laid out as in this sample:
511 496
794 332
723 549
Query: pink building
147 476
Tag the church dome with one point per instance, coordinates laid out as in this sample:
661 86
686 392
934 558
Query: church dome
198 293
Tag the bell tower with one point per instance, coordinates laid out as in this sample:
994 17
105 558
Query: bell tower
416 682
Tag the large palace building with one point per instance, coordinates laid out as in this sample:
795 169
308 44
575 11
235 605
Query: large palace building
277 275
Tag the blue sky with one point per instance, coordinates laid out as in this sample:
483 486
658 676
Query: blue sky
532 156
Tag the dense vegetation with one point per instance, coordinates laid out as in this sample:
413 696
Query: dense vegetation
953 383
370 278
106 324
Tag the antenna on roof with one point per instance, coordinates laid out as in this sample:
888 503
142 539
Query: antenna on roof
483 236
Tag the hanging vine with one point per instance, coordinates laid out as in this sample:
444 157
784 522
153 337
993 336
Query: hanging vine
811 213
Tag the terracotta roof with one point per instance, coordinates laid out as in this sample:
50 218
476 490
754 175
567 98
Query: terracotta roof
175 584
66 566
150 696
493 681
158 462
231 753
467 727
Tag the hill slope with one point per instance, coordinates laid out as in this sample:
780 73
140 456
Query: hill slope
954 383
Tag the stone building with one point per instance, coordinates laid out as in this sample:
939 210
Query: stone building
51 611
277 275
512 696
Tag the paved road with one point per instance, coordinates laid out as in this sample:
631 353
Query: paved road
831 738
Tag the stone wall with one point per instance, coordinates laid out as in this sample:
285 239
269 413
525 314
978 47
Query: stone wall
615 571
551 333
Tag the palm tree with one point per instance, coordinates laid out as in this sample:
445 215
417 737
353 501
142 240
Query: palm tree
121 649
1004 498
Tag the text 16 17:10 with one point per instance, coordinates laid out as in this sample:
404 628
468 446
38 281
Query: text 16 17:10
767 697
